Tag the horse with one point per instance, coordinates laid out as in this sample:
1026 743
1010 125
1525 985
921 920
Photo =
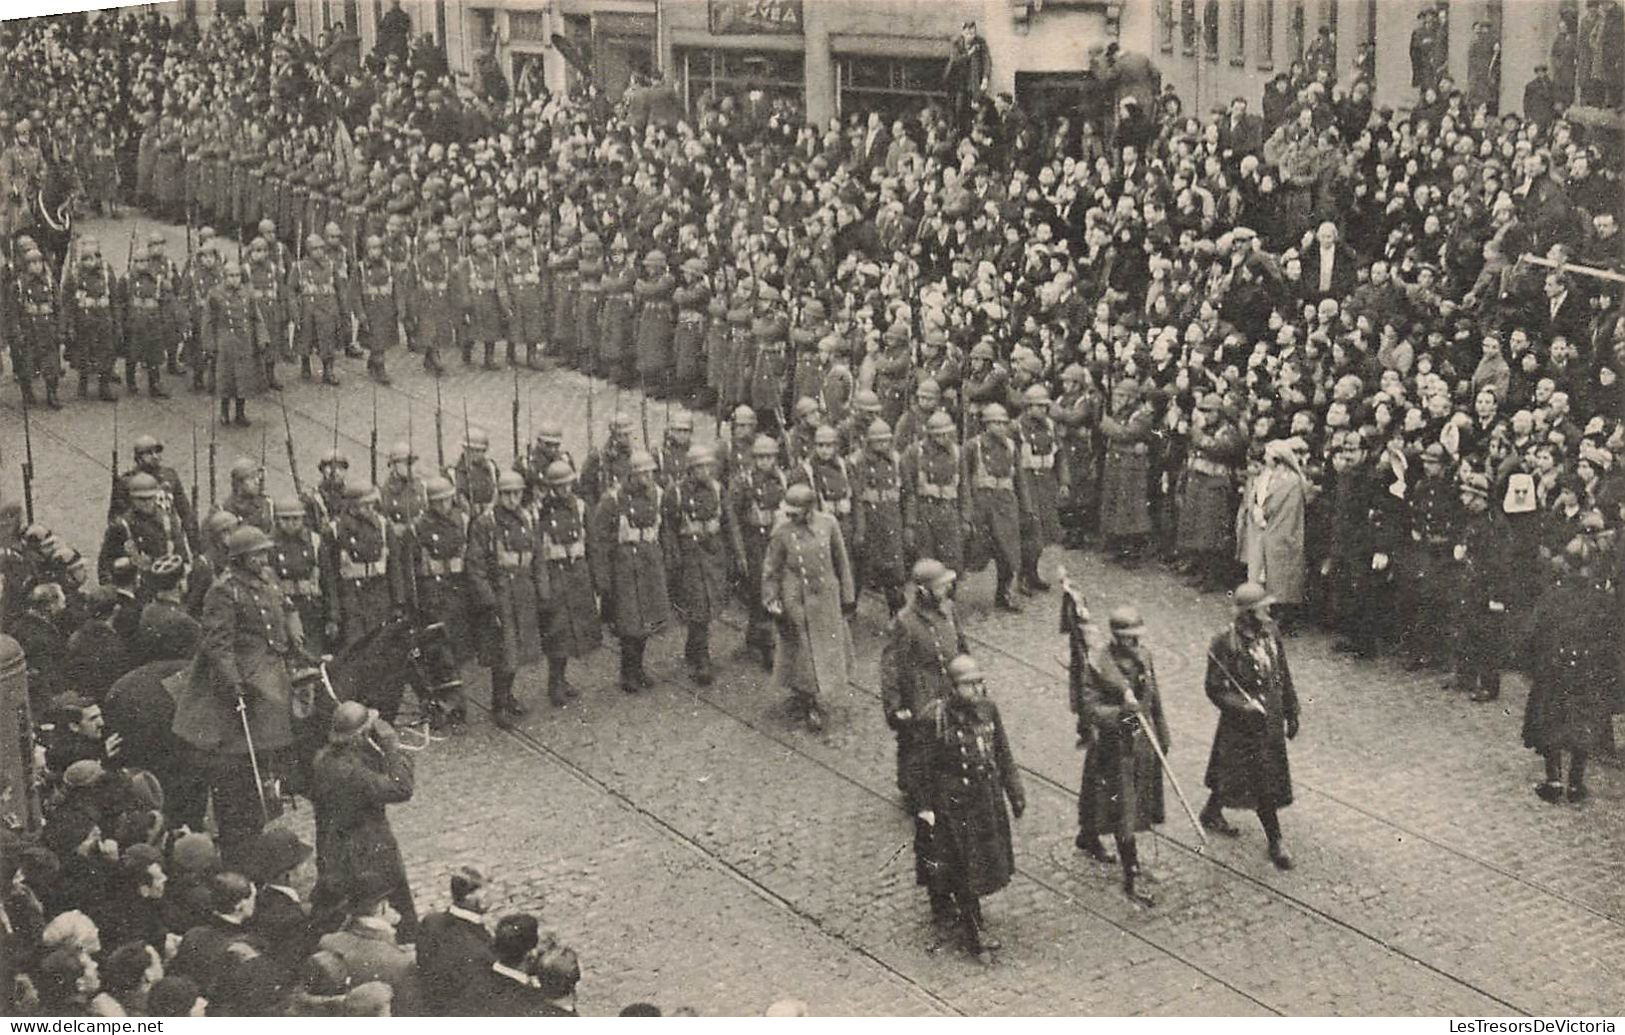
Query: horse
140 707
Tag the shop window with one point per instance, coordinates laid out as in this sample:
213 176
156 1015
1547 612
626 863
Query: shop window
1264 46
738 74
1187 25
1165 25
891 86
1238 32
1296 27
1210 29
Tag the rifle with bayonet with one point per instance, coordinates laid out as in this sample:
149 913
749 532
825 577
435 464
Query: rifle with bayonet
287 432
439 433
28 464
517 458
195 500
115 450
212 426
373 440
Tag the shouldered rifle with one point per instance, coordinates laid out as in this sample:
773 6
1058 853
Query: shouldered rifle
194 471
439 433
212 426
115 449
515 421
28 464
293 464
372 444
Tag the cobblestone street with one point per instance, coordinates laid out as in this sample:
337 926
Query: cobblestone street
699 849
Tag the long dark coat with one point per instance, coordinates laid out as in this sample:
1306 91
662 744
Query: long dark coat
507 588
615 319
1248 764
1121 775
656 320
1040 452
697 549
628 565
1572 668
933 507
365 558
234 330
972 772
249 627
353 783
914 673
877 546
570 625
1125 506
438 544
1207 492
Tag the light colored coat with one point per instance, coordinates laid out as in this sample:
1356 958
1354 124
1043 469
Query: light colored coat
808 573
1269 538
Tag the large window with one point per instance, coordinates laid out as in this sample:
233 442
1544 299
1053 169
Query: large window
1187 26
739 73
1238 32
1165 25
1210 29
891 86
1264 45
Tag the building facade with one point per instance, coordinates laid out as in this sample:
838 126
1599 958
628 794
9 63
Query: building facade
842 56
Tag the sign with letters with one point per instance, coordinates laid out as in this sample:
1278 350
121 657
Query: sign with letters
742 17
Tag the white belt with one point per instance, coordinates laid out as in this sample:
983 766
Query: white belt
638 535
436 566
933 491
878 495
987 481
512 560
1038 462
710 526
363 569
302 587
565 551
840 506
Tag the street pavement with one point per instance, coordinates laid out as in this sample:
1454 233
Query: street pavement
699 849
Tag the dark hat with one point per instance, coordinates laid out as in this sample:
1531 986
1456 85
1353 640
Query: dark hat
371 888
324 973
274 852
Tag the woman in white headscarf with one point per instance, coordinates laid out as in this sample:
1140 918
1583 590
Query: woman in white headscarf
1270 525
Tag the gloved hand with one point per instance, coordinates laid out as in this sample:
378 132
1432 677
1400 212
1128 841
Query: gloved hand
929 817
1018 805
1291 727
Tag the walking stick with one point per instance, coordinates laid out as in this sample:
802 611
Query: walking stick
1082 606
253 759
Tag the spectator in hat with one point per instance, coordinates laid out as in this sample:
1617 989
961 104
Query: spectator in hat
324 980
279 864
557 974
367 941
454 946
1270 526
175 996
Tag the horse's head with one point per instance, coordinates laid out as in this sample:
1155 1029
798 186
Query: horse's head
434 663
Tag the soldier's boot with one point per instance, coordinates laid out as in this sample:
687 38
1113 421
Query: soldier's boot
977 941
270 377
468 354
642 674
51 399
129 376
104 388
431 361
84 386
894 600
490 356
697 652
305 373
533 357
172 366
155 384
197 377
556 684
512 352
1094 848
629 666
1001 598
225 411
1132 874
328 376
815 715
26 387
375 367
241 420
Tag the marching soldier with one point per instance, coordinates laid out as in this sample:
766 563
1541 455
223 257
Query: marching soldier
364 553
826 471
616 320
808 354
877 523
437 310
266 286
148 453
672 460
305 573
398 251
561 273
403 496
606 466
656 321
334 468
485 301
629 567
754 495
1119 706
527 285
807 587
914 685
203 272
893 370
733 454
37 335
798 438
691 298
247 499
1206 536
934 517
986 381
860 417
997 498
175 302
911 425
588 301
378 306
436 543
211 558
697 554
475 473
768 370
570 625
165 631
235 337
1041 487
239 686
1355 537
972 774
1249 682
92 321
145 532
543 453
317 294
146 324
